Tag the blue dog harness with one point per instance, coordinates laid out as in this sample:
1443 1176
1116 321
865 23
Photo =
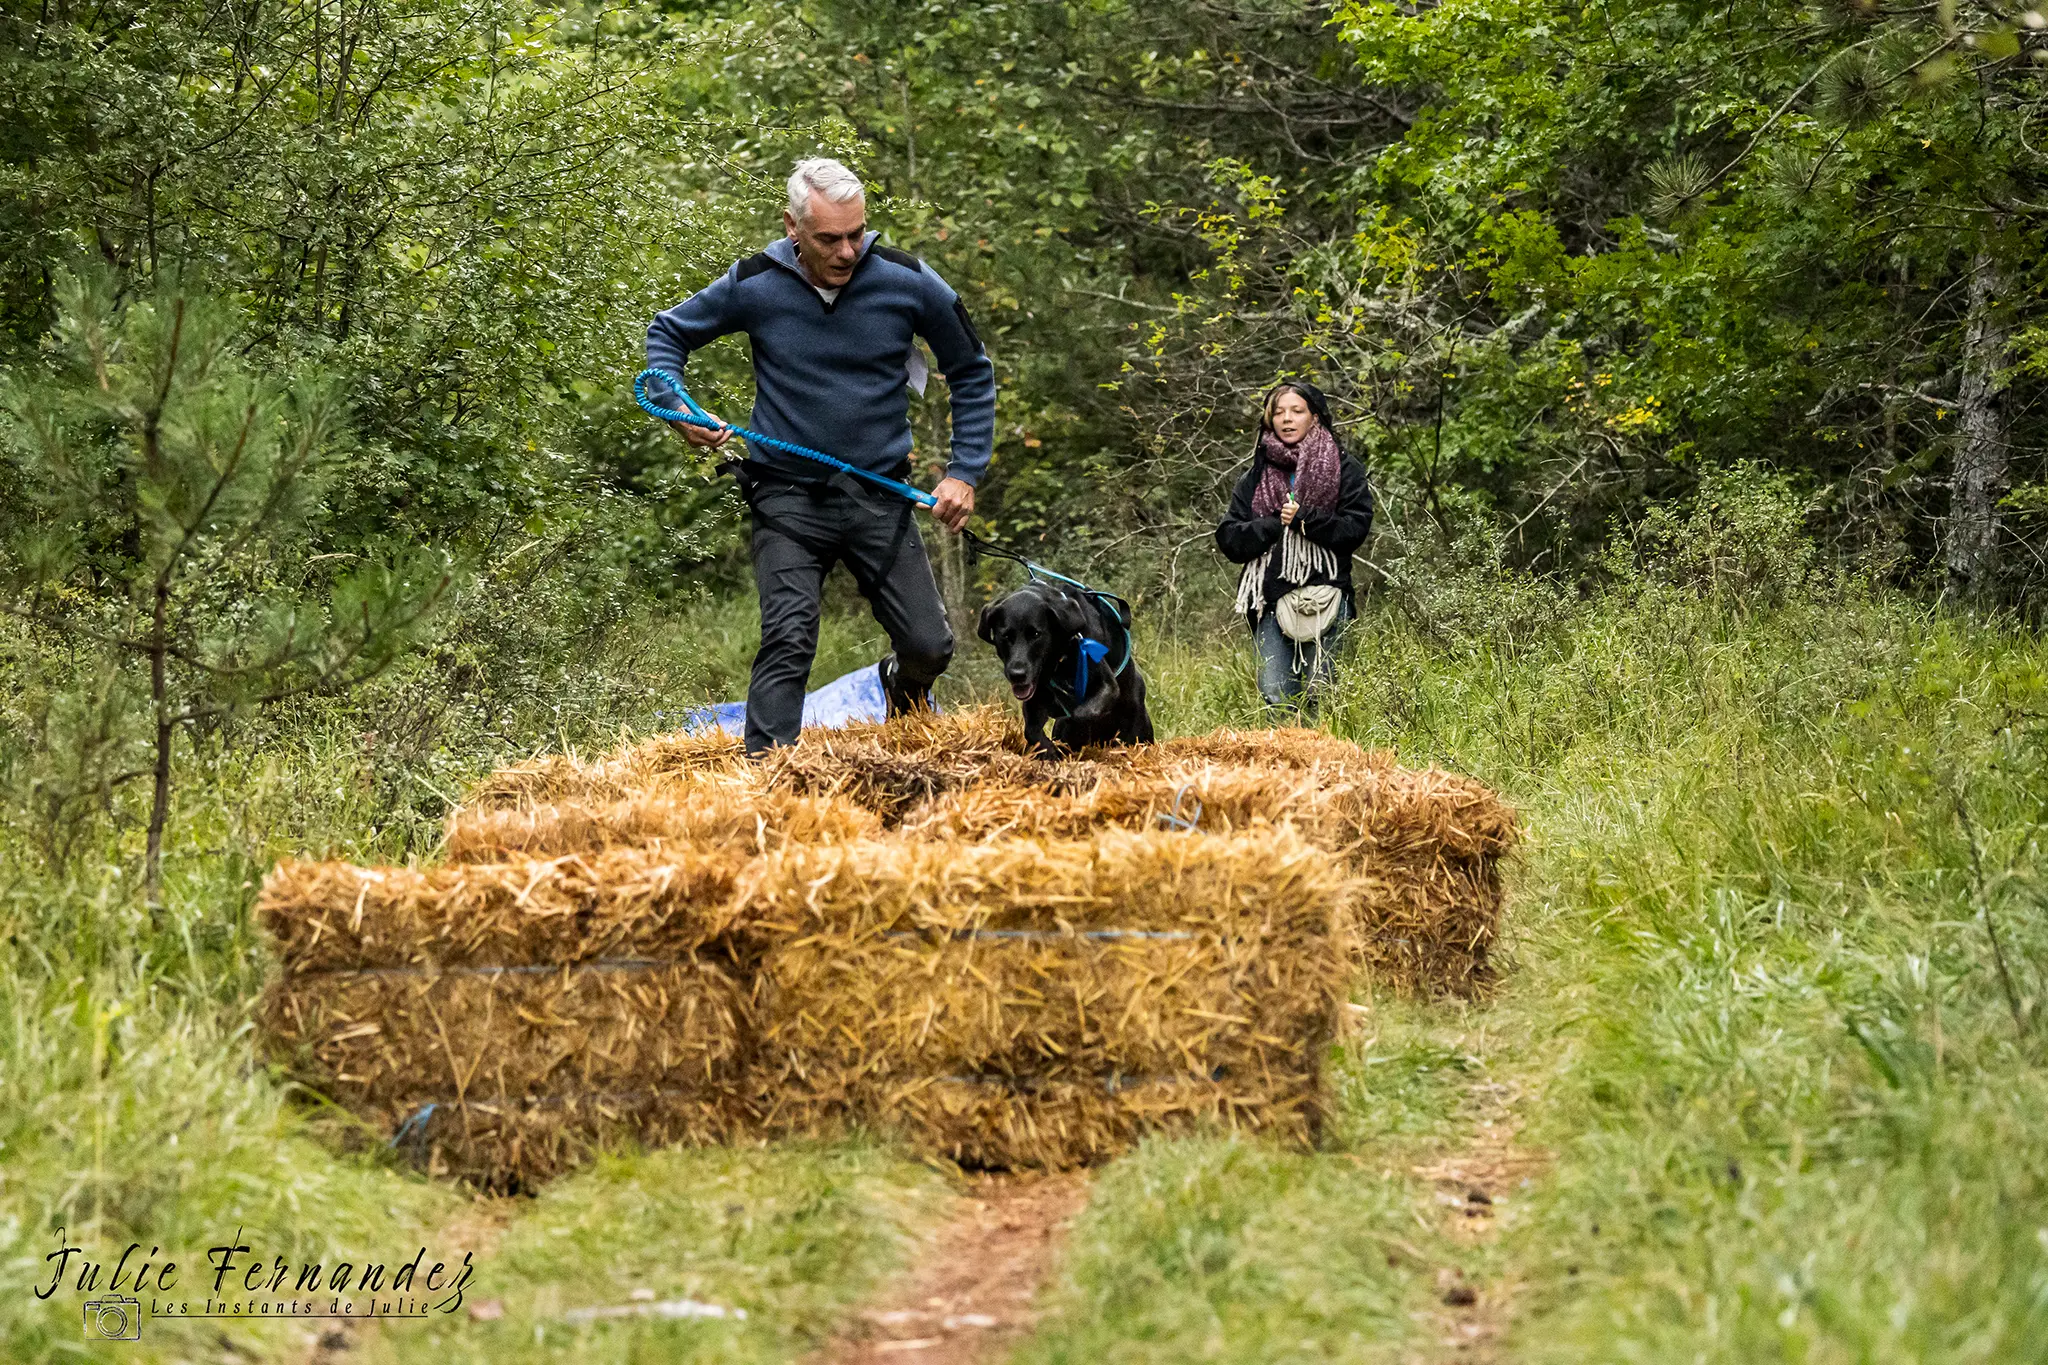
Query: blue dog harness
1090 652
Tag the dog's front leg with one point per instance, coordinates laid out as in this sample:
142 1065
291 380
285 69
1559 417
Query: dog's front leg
1135 720
1034 732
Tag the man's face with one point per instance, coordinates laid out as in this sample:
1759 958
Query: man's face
828 238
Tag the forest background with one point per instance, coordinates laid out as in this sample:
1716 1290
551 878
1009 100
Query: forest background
1696 351
1551 263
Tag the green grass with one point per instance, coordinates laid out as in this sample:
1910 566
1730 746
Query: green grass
1217 1249
1752 1014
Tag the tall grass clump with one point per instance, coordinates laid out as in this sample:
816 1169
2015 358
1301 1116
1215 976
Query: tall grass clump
1780 942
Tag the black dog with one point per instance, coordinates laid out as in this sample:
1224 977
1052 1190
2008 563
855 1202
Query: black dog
1067 654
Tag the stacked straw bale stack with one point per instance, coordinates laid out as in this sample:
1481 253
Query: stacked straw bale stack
915 926
501 1019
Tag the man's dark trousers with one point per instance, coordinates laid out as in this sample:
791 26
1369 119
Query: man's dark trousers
800 531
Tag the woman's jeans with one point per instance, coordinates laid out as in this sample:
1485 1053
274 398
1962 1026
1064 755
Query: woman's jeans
1288 668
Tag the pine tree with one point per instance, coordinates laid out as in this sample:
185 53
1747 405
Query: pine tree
162 498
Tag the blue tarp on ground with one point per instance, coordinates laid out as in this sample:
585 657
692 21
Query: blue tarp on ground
854 697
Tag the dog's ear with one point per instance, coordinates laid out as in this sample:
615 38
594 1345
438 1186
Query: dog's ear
1067 615
985 628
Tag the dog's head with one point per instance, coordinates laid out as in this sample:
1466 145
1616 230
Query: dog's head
1030 629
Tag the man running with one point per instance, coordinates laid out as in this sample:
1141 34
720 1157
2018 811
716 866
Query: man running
830 315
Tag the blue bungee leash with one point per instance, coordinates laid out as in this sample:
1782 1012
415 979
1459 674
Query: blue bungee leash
697 417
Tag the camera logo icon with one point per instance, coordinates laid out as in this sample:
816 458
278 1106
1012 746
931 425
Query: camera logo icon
113 1319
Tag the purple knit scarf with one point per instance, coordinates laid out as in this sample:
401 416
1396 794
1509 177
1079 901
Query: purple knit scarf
1312 464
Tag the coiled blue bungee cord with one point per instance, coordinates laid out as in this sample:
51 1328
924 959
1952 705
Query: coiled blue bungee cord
697 417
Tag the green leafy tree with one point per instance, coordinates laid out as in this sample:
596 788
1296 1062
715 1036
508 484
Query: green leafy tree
1552 261
1677 235
460 210
161 493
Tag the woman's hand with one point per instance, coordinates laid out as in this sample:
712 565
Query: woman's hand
1289 510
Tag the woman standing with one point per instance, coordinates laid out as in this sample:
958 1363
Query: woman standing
1296 518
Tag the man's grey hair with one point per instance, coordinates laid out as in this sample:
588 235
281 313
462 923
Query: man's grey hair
822 176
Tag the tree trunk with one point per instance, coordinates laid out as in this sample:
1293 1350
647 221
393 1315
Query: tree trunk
1982 448
159 692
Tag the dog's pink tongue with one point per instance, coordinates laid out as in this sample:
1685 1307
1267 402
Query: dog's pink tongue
1023 691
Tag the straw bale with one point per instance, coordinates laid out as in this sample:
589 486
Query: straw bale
653 903
1006 1123
723 813
637 768
1280 747
513 1145
1064 1005
957 746
372 1036
682 755
1428 844
1226 799
546 781
898 766
966 729
1272 885
1431 900
890 766
1430 930
1049 964
1429 813
1365 808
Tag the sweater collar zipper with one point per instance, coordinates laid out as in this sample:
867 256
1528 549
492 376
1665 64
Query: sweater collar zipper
831 304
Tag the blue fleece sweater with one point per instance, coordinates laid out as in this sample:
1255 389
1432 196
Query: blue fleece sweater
831 375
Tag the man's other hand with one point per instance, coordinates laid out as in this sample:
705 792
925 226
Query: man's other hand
704 438
953 503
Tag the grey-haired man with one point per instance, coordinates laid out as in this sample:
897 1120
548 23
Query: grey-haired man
831 316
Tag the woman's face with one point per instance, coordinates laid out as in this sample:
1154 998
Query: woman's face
1290 416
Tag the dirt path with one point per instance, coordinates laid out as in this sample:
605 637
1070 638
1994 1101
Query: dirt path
971 1294
1475 1185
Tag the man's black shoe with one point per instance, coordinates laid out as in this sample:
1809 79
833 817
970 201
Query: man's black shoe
902 697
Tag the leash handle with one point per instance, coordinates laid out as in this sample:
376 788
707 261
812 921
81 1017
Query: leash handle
697 417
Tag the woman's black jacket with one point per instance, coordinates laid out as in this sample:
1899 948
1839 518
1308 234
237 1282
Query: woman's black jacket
1243 537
